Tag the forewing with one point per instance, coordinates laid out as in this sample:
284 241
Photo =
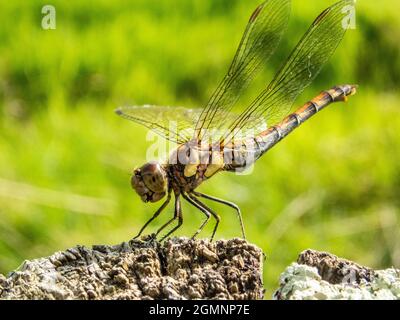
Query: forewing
300 69
262 35
173 123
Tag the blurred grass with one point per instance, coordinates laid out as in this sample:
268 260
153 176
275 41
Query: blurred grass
65 158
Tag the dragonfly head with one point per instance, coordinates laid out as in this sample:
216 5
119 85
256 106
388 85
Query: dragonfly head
150 182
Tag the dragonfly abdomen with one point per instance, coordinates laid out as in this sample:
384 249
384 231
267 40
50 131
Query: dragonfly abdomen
245 153
273 135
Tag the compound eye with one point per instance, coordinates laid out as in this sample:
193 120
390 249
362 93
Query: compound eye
153 176
154 181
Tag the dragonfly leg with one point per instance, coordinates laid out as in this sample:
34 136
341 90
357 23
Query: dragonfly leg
193 201
229 204
215 215
208 212
177 215
155 215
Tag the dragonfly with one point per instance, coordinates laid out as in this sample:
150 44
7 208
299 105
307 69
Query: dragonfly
215 139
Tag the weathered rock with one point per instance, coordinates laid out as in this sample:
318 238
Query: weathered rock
179 268
320 275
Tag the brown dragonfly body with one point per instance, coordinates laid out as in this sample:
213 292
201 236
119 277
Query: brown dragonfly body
202 153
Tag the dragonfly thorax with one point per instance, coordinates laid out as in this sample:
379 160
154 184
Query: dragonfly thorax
150 182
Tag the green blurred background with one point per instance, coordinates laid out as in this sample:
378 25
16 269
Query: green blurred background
65 158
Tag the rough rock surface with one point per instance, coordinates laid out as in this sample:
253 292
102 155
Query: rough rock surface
320 275
179 268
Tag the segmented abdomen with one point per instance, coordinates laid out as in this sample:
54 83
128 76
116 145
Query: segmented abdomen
240 155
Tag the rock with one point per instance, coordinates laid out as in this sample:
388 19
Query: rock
320 276
179 268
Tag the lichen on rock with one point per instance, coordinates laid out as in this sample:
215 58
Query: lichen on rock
320 276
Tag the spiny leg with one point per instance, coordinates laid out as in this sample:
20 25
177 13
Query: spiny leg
228 203
194 202
177 215
155 215
206 210
215 215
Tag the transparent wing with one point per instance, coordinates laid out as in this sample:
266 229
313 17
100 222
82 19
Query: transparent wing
173 123
261 37
300 69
